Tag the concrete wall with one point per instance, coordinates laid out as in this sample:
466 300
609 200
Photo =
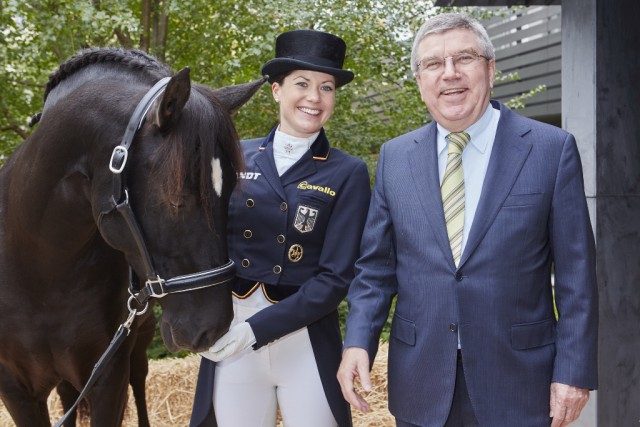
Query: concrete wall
600 96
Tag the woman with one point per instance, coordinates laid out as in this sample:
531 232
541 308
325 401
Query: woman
295 224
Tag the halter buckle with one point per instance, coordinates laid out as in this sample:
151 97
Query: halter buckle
119 150
156 287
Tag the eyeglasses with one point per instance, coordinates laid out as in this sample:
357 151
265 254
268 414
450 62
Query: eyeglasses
460 61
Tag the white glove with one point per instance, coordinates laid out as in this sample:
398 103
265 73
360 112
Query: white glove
238 338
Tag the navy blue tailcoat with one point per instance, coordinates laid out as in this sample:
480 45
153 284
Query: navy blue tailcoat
299 232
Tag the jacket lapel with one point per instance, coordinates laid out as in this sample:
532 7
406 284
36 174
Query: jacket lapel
423 164
508 156
301 169
267 165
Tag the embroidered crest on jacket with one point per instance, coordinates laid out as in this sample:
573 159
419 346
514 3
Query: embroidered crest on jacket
305 218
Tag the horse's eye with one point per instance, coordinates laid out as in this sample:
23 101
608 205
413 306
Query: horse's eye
176 203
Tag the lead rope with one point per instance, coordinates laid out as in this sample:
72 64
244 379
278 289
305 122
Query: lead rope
117 164
121 334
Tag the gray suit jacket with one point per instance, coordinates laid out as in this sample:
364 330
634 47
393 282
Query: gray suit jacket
532 213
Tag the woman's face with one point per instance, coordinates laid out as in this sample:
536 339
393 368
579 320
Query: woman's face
306 101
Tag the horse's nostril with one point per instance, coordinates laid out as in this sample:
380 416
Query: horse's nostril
168 337
176 337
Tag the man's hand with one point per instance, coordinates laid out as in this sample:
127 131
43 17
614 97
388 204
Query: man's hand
233 342
566 403
355 363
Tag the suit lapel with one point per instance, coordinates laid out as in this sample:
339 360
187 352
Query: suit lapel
264 161
422 158
304 167
507 159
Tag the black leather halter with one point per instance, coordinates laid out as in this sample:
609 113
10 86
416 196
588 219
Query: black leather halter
155 286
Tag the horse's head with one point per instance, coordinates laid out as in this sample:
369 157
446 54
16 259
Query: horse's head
177 177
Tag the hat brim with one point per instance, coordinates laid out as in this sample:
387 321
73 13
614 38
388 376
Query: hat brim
279 66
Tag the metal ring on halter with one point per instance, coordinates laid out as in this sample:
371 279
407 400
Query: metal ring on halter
124 202
133 310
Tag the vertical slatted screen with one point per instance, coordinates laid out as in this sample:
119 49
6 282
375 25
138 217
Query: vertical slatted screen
528 42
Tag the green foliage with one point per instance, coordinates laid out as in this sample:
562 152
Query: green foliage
518 102
224 42
243 40
37 35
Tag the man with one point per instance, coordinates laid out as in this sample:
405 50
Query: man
475 340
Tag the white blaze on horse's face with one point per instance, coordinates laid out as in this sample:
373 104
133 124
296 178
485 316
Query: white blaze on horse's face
216 176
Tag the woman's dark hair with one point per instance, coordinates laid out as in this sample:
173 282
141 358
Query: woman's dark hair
280 78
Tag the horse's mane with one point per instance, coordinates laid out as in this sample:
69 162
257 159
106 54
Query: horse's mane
129 59
204 121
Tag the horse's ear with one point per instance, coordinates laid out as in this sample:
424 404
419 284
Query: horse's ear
234 97
174 98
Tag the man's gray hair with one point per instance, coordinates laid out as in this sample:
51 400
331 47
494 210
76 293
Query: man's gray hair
451 21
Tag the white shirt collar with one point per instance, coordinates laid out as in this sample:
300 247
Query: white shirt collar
474 130
288 149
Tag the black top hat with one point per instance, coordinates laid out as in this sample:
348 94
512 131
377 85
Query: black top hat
309 50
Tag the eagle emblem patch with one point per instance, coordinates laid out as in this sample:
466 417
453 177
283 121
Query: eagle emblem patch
305 218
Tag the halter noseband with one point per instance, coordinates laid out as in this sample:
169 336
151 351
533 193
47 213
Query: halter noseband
155 286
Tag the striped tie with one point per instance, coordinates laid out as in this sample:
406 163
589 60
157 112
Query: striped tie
453 192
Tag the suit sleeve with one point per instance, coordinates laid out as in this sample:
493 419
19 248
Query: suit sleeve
375 284
322 293
576 292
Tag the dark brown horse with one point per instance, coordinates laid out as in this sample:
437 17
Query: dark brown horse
79 217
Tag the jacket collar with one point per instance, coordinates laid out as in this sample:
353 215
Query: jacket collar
320 147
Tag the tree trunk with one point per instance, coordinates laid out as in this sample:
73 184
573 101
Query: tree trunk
145 21
160 24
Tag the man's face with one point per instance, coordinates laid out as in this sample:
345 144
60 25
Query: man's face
456 95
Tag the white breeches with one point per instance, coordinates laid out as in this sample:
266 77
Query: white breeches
249 386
